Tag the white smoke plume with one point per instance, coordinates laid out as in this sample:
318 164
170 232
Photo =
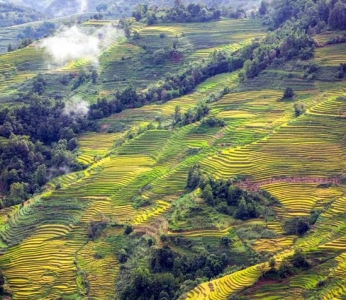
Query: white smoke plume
75 43
71 44
76 108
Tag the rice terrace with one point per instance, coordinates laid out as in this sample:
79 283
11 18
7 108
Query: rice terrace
173 150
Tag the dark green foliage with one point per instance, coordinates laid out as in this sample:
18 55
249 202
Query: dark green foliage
39 84
288 93
263 9
41 135
296 225
285 270
173 86
80 79
168 273
12 14
337 16
227 198
194 114
94 76
128 229
213 122
207 195
30 32
299 109
299 260
95 229
193 177
193 12
24 43
145 286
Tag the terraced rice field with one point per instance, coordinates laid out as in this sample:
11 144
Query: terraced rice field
299 199
19 66
225 286
331 55
47 251
322 38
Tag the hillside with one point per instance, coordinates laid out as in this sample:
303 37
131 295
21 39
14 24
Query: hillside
191 160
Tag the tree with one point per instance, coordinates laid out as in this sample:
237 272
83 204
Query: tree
177 115
94 76
128 229
242 210
337 17
296 226
41 175
225 241
72 144
299 259
193 177
263 9
207 195
17 192
289 93
299 109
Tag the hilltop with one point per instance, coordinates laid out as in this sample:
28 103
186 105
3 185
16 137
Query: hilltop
192 158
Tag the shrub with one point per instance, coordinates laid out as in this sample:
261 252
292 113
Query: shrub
128 229
299 109
296 225
289 93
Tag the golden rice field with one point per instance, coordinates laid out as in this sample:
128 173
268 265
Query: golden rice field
47 251
331 55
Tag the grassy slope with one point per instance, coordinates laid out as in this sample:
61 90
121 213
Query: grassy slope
262 139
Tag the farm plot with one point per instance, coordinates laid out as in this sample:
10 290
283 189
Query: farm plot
298 199
331 55
290 150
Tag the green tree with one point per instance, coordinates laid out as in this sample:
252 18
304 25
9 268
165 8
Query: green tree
207 195
193 177
263 9
177 115
41 175
337 17
242 210
288 93
299 109
17 192
72 144
94 76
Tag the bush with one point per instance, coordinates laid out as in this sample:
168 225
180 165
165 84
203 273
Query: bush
296 225
299 109
289 93
128 229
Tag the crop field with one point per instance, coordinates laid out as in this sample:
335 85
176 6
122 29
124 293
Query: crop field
323 37
331 55
130 63
136 169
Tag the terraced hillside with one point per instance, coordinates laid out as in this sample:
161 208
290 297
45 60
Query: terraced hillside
69 241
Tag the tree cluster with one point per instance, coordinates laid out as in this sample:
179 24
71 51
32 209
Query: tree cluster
31 32
228 198
173 85
169 271
308 15
11 14
192 115
177 14
41 135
